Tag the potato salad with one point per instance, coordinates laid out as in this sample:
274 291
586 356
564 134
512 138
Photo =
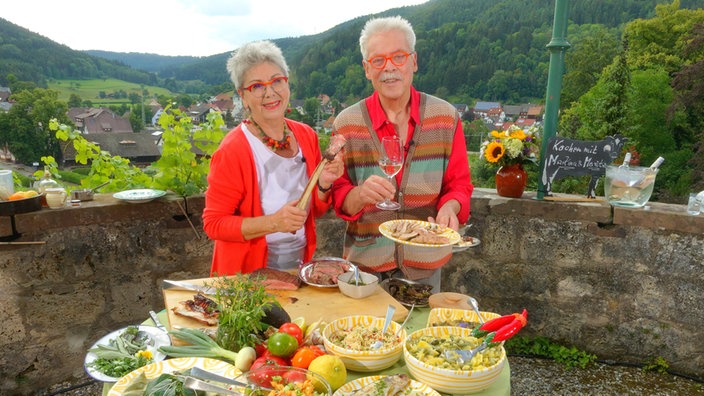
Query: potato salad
429 350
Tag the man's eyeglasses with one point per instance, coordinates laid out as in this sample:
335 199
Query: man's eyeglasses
397 58
258 89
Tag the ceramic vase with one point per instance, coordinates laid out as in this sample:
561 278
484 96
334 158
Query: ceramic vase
511 181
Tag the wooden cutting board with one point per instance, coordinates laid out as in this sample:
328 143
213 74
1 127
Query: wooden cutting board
309 302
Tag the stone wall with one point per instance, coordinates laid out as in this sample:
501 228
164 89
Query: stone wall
624 284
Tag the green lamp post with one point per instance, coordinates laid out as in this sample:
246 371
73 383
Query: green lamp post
557 47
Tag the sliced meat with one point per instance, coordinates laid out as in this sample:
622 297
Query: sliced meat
200 308
326 272
277 280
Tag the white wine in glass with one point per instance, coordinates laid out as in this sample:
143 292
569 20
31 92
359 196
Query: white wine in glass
390 162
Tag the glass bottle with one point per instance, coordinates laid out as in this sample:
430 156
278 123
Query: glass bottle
46 182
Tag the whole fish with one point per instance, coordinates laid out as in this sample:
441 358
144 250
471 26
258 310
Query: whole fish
388 386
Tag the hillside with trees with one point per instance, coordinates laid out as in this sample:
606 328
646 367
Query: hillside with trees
634 67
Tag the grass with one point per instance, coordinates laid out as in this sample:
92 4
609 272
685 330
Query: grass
90 90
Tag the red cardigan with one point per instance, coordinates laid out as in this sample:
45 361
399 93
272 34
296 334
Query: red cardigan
233 194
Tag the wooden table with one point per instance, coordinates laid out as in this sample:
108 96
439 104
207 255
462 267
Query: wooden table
328 304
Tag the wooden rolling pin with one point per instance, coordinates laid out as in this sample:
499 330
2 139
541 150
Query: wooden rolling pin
337 142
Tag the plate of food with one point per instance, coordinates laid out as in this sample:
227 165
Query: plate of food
465 243
397 384
140 195
100 362
323 271
419 233
143 375
407 292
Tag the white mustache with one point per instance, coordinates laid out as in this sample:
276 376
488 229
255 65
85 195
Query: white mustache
389 76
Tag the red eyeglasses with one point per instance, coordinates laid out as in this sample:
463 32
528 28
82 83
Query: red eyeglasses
397 59
258 89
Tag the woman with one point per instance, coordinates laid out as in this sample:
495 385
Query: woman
259 172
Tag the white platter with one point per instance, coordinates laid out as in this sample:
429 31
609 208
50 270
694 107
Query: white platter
415 389
466 243
139 195
159 338
169 366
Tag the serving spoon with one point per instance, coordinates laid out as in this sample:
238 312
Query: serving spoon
196 384
461 356
389 314
405 320
473 302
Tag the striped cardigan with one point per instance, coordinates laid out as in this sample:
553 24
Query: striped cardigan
421 184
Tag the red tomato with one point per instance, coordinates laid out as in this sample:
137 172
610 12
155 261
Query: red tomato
303 357
294 376
318 351
294 330
260 348
264 368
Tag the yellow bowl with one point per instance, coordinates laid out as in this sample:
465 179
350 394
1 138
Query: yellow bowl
448 380
466 318
364 360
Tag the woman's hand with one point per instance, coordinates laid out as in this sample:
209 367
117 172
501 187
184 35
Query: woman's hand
331 171
289 218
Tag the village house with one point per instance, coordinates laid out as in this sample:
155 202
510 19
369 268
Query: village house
139 148
89 120
461 108
5 104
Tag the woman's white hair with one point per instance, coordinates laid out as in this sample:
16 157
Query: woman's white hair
379 25
252 54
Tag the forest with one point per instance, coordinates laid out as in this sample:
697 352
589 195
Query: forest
634 67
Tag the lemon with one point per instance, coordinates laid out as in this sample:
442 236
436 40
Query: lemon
331 368
301 322
317 325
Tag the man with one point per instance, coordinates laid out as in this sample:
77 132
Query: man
434 183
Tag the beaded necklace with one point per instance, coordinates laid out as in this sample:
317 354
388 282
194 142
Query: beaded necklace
275 145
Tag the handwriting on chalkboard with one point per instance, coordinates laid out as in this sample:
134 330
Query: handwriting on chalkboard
569 157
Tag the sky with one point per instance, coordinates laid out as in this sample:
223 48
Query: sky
182 27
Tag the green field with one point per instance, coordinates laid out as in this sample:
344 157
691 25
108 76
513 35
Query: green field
90 90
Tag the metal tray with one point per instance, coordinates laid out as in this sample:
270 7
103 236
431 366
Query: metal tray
305 270
386 284
25 205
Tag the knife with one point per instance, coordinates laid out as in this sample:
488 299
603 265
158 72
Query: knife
170 284
157 322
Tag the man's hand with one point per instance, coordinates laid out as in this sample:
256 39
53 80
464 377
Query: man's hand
375 189
447 215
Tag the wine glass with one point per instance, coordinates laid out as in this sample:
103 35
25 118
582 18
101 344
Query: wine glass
390 162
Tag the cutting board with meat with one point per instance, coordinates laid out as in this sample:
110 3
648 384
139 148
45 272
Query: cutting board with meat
312 303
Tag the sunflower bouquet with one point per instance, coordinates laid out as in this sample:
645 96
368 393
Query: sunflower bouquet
513 146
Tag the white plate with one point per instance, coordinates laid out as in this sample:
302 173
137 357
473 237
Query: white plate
169 366
159 337
452 235
140 195
415 389
466 243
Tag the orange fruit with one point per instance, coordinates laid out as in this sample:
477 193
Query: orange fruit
16 196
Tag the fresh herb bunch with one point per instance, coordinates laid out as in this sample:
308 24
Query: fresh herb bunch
242 301
123 354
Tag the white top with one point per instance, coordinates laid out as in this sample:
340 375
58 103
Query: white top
281 180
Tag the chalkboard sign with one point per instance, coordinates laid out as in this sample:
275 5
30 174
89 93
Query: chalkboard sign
569 157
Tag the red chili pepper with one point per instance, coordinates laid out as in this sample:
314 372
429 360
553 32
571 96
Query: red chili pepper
493 325
509 330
